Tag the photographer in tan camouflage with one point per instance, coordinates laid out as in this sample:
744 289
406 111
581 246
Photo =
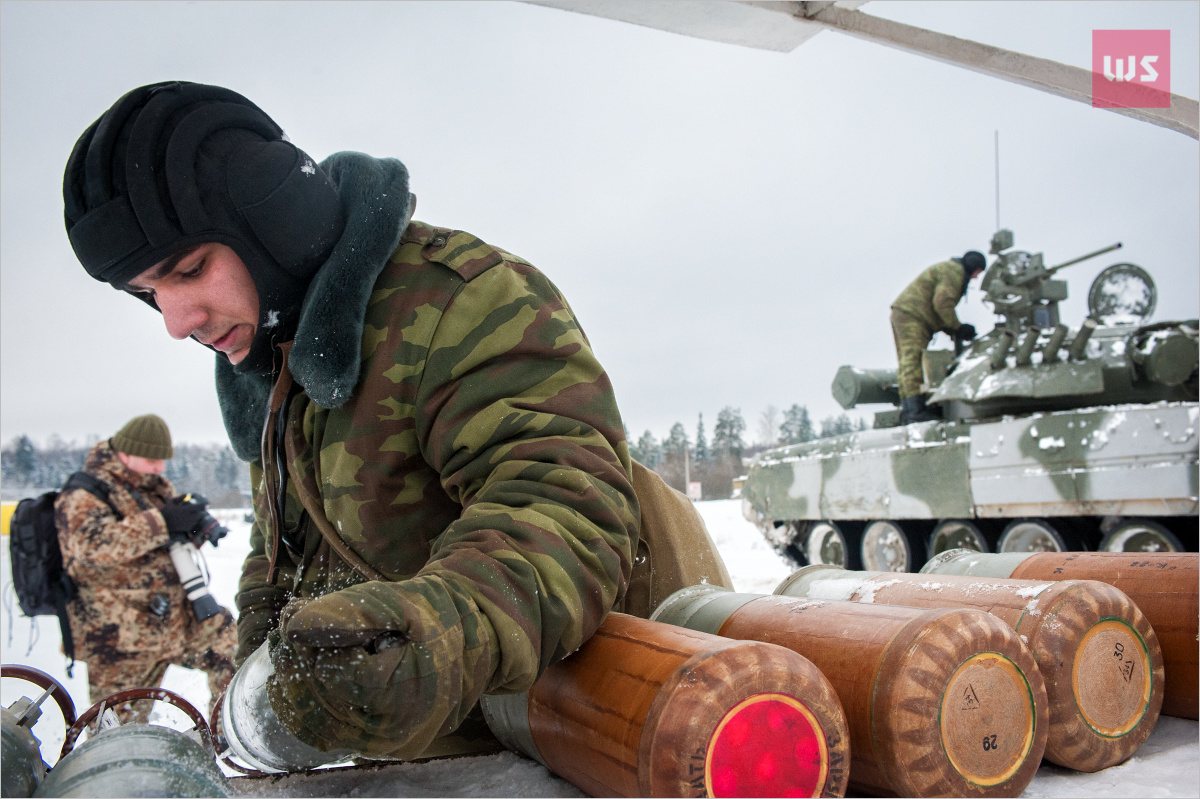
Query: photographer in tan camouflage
444 497
924 307
130 617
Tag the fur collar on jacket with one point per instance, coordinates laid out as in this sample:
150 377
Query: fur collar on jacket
326 352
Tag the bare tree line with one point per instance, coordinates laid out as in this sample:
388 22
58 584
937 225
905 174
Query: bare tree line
211 470
679 459
214 471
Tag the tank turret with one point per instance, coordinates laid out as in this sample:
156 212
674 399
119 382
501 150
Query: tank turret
1051 437
1031 361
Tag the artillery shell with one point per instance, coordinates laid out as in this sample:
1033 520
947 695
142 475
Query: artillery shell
647 709
939 702
1097 652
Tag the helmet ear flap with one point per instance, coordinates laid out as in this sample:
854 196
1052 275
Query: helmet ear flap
287 201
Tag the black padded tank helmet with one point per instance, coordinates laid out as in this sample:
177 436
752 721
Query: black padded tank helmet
173 165
973 261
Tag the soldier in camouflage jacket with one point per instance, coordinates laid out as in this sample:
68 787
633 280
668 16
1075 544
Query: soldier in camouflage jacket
442 487
924 307
130 616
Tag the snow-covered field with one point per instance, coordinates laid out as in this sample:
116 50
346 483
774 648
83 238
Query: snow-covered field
1168 765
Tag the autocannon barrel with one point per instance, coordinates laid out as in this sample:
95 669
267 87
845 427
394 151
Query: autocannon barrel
1163 585
939 702
1080 258
647 709
1096 650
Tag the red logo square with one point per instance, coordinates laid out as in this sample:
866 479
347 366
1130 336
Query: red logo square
1131 69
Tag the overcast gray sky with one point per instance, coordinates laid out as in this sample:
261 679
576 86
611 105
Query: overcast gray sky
730 225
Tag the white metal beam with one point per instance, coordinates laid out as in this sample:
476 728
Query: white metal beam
784 26
1066 81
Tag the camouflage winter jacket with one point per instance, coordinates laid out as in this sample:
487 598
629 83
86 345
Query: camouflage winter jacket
118 561
448 418
932 296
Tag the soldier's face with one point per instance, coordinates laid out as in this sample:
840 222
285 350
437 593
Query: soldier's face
142 465
206 293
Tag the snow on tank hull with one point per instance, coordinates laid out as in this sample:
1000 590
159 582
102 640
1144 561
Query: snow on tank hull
887 499
1048 438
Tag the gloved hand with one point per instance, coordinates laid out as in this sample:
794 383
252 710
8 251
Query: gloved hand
380 668
182 516
188 520
258 614
965 332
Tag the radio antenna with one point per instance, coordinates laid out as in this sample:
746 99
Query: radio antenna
997 180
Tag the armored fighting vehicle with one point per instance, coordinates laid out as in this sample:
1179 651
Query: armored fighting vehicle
1050 438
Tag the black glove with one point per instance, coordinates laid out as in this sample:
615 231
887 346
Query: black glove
182 515
188 520
965 332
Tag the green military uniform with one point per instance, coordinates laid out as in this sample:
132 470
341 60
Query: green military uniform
444 498
923 308
456 509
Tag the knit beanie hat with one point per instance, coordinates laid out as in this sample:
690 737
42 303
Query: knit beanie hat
173 165
146 437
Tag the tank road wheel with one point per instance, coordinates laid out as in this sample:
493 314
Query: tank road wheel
888 547
957 534
828 544
1140 535
1039 535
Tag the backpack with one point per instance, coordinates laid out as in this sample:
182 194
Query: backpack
43 588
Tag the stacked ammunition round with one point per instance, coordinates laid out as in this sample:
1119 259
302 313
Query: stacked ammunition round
647 709
1163 585
939 702
1097 653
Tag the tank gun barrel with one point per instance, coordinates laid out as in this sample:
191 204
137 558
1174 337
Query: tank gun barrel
1073 261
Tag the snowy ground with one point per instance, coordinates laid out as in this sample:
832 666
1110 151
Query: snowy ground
1168 765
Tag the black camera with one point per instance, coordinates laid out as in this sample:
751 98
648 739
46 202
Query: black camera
207 528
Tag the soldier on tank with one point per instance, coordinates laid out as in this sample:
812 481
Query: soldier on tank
444 499
922 309
130 616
